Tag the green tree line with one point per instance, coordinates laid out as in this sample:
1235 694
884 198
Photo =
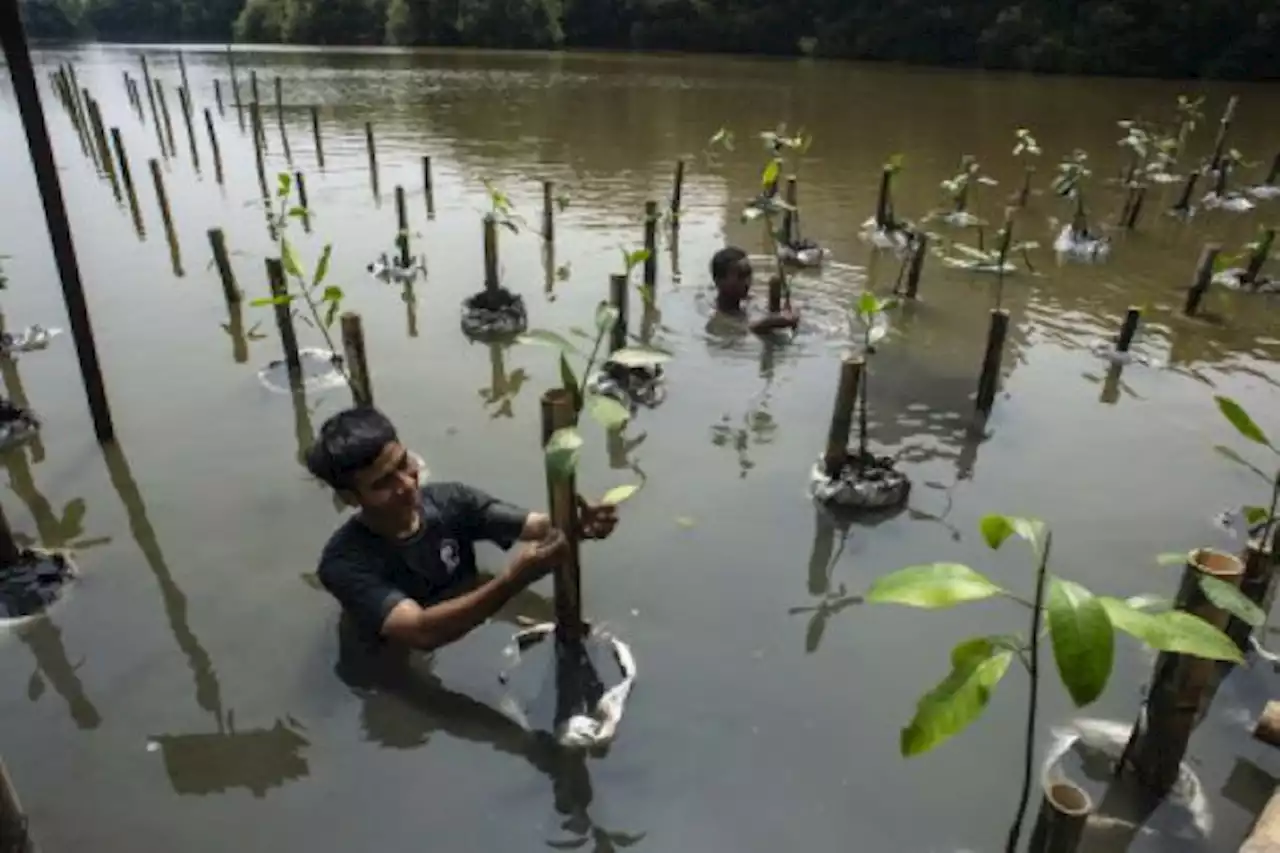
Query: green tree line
1168 38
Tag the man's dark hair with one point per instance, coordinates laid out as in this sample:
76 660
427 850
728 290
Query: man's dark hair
349 441
723 261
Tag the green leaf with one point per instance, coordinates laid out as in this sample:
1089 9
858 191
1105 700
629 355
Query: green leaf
606 411
997 528
322 267
272 300
639 356
284 184
634 259
933 586
289 259
569 381
1174 631
542 337
618 494
1228 597
1083 640
1241 421
298 212
606 316
770 175
1240 460
332 293
868 305
1255 515
562 452
331 314
959 699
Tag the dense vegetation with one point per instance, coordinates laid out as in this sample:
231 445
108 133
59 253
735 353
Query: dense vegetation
1180 38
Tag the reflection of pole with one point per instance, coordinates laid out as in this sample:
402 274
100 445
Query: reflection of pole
14 837
18 395
44 639
208 694
824 545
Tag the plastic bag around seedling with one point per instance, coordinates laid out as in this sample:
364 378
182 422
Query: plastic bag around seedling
321 371
1081 246
875 485
493 315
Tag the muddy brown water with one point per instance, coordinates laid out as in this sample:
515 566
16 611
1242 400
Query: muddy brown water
183 695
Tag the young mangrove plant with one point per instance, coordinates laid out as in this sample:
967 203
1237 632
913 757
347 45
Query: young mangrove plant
1080 628
501 209
865 482
1259 523
787 246
1254 255
884 230
1026 149
1220 196
322 301
959 191
627 375
995 260
1076 240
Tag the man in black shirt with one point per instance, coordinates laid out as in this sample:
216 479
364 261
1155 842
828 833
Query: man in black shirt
404 566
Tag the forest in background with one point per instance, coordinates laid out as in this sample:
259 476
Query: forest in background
1162 38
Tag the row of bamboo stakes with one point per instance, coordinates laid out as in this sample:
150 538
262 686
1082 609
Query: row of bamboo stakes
1061 814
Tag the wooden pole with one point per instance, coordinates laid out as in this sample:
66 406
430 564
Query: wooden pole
920 246
284 321
1265 835
882 200
85 100
255 121
677 193
222 261
26 94
357 361
300 181
618 296
1256 584
1267 729
182 70
185 100
14 834
1060 824
558 413
257 99
213 145
126 175
373 156
1204 277
170 234
168 123
402 229
315 133
842 417
156 121
1183 204
10 553
428 188
548 212
1133 208
989 381
1224 125
789 229
775 294
1129 329
217 97
104 150
1181 685
284 133
651 246
491 282
235 86
1259 256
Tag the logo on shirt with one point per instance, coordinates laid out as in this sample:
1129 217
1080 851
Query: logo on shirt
449 555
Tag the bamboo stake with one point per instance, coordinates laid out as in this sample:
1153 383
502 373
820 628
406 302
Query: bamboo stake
284 133
174 251
548 212
1129 329
1204 277
217 97
127 176
230 292
677 193
1256 584
989 381
104 151
185 102
182 70
357 361
255 121
257 99
373 157
1063 814
920 248
558 413
491 282
155 110
284 321
315 132
1259 257
427 187
837 452
213 145
618 296
235 87
168 124
402 231
651 246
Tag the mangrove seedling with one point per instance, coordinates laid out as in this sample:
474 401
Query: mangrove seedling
501 208
1139 140
1220 196
996 260
323 301
1079 625
1025 149
884 230
871 315
563 448
1260 523
958 191
1254 256
1076 240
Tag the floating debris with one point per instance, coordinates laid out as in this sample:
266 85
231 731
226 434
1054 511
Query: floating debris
1080 245
494 314
869 483
34 582
1265 192
321 371
1232 202
34 337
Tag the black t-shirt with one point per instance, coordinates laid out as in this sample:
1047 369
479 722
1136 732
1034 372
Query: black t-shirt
370 574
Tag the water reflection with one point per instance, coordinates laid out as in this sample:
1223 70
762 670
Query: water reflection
410 299
756 426
830 536
234 327
213 762
503 387
17 394
43 639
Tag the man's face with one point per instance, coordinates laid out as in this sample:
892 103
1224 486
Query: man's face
390 484
736 284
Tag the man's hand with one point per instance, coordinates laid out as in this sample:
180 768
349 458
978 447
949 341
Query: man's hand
789 318
596 521
536 560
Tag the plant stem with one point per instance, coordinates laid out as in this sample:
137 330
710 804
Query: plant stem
1269 528
591 360
862 403
1015 831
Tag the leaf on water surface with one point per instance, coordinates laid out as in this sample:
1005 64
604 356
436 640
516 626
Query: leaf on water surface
959 699
640 356
619 494
606 411
322 266
1255 515
562 452
546 338
1173 631
1240 419
1227 597
1083 640
936 585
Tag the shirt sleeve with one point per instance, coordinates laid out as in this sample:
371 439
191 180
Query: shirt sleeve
363 594
489 519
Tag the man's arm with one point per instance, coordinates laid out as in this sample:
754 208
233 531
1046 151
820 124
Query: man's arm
773 322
